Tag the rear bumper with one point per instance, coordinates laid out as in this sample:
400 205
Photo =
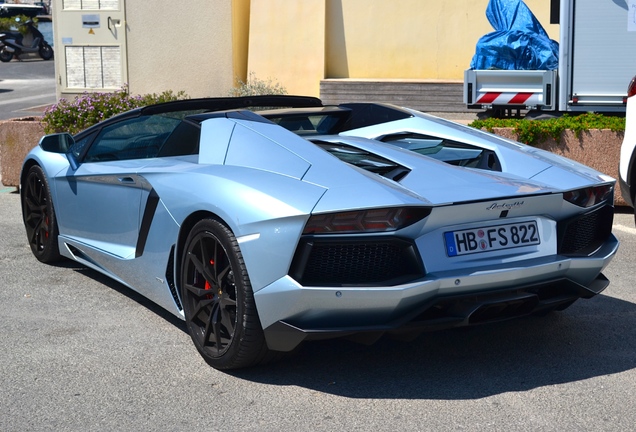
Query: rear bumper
448 311
291 313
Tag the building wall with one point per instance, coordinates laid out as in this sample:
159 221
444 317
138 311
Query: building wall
171 46
362 39
240 38
204 47
199 47
287 43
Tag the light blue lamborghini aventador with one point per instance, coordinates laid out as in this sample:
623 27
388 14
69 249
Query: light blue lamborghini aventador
263 229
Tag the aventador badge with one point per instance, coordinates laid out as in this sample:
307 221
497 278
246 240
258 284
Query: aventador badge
505 205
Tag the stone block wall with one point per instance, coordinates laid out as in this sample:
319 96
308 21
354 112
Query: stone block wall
17 138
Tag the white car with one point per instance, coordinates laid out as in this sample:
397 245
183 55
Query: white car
627 170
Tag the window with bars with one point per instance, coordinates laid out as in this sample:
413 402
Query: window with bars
90 4
93 67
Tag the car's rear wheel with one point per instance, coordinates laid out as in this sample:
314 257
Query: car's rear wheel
39 216
217 299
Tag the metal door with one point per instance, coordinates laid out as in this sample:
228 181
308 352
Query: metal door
602 54
101 206
90 42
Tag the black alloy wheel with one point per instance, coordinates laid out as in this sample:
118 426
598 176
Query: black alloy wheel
39 216
217 299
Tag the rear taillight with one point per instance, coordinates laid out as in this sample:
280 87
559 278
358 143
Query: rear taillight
365 221
631 88
589 197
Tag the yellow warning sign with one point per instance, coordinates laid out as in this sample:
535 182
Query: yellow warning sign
91 31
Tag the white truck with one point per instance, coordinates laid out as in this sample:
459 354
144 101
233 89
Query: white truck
597 59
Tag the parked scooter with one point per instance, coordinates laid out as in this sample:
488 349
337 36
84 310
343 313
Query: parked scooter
13 43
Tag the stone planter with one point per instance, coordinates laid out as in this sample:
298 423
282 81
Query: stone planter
596 148
17 138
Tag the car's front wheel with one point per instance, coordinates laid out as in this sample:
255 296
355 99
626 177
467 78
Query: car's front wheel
218 300
39 216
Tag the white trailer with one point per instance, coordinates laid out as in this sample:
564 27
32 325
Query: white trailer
597 43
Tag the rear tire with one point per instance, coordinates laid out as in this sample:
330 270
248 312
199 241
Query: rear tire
46 52
38 215
218 301
5 56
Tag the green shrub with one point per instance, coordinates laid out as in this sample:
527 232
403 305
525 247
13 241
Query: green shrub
534 131
256 87
88 109
11 23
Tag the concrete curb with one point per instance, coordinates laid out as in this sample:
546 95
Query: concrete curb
17 138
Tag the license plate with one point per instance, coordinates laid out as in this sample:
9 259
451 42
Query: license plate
491 238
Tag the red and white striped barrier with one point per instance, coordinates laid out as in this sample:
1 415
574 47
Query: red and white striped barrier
495 98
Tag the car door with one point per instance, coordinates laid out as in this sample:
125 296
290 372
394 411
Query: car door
100 203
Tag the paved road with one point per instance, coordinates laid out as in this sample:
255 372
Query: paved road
26 87
82 353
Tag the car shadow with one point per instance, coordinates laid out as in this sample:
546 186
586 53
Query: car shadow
123 290
592 338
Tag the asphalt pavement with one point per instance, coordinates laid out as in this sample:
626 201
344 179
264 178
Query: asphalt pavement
83 353
26 87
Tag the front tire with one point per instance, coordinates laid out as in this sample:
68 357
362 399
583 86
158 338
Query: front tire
46 52
5 56
39 218
218 301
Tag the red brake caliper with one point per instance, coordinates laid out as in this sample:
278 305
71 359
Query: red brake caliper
208 286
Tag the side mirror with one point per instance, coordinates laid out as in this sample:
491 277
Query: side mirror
57 143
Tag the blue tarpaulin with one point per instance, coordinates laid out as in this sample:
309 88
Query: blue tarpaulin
519 42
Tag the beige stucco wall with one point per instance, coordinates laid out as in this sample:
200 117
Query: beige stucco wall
410 39
204 47
397 39
240 38
287 43
181 47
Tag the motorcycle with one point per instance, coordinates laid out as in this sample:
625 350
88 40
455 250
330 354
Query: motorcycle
13 43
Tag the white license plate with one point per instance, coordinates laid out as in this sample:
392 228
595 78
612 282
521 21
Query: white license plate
491 238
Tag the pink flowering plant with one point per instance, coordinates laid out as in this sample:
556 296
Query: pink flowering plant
87 109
